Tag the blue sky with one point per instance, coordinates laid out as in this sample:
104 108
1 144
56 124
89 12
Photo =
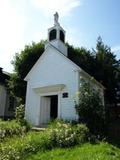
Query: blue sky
24 21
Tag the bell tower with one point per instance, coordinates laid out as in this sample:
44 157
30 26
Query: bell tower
56 36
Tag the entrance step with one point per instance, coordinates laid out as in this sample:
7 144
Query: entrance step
38 128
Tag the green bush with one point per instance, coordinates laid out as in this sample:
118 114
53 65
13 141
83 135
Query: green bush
18 127
66 135
19 113
10 128
82 133
19 116
18 148
89 107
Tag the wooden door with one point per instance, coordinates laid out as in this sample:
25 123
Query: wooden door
45 110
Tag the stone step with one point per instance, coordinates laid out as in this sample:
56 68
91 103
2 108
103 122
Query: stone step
38 128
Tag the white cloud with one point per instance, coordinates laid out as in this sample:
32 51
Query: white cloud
49 7
12 27
63 7
20 23
116 49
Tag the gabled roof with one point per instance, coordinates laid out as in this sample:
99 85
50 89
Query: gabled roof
77 68
42 56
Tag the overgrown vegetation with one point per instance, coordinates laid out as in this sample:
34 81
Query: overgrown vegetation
89 107
60 135
9 129
66 135
19 126
18 147
20 117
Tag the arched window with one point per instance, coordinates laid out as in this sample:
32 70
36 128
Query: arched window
52 35
62 36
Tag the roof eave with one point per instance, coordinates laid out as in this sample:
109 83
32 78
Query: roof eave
89 76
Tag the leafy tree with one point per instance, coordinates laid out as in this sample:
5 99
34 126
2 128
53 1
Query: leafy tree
82 57
101 63
17 88
89 107
106 72
22 63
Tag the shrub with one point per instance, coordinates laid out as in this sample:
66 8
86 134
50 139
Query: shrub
10 128
19 115
18 127
66 135
62 136
19 148
82 133
90 108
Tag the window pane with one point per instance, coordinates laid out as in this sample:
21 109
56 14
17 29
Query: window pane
52 35
62 37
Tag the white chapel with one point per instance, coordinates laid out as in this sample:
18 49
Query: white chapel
53 82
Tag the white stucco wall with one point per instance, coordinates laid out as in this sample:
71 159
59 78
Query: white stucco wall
52 69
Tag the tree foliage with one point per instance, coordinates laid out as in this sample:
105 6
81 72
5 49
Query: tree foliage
22 63
17 88
101 63
82 57
106 69
89 107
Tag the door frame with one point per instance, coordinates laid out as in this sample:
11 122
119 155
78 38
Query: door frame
59 106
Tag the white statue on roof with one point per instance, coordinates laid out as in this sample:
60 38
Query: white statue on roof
56 17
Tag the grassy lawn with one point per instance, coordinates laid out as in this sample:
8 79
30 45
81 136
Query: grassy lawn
44 145
18 147
102 151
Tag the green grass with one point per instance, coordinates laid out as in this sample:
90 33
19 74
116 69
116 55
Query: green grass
102 151
34 145
21 146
